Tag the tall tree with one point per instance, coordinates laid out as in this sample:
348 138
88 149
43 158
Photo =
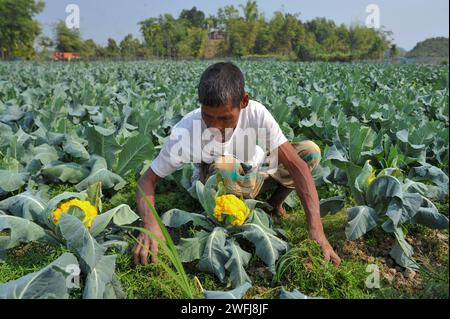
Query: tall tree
211 21
89 49
173 32
194 17
18 30
250 33
264 37
112 49
67 40
152 32
163 35
322 28
193 44
129 46
227 14
251 12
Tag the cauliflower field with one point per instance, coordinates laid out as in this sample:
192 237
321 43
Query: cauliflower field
74 139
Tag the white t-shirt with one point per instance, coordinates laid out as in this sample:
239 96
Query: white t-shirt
253 141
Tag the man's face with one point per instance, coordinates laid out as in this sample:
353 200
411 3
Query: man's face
223 117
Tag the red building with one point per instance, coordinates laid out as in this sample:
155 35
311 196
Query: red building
65 56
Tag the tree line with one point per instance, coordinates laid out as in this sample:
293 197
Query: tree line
241 32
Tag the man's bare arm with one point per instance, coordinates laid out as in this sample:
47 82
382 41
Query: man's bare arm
306 190
147 184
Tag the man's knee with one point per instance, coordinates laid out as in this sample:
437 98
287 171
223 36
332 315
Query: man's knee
310 152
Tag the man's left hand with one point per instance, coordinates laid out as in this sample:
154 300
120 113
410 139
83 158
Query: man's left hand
327 250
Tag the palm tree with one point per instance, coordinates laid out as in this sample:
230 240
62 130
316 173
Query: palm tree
250 10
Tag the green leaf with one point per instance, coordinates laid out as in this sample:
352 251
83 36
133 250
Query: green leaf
184 178
206 196
395 172
102 142
33 167
74 147
6 134
64 172
360 139
214 256
428 215
77 110
26 205
99 276
382 190
48 283
149 121
402 251
236 293
292 200
429 191
336 154
191 249
20 231
361 220
94 195
403 136
351 170
320 174
175 218
120 215
268 246
416 209
55 139
402 210
100 173
331 205
136 150
210 191
45 153
77 212
80 240
237 262
120 245
10 181
22 137
295 294
252 203
362 181
261 218
430 173
114 290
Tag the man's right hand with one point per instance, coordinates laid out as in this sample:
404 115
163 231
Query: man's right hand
146 245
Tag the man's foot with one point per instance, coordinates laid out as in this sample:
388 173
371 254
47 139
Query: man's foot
278 212
277 200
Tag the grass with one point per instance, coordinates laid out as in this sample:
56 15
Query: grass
145 281
307 272
173 264
27 258
303 268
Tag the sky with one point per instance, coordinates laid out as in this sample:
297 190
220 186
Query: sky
410 21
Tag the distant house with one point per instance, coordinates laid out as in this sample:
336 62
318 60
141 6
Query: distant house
65 56
216 33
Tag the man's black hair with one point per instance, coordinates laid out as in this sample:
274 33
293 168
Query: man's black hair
221 83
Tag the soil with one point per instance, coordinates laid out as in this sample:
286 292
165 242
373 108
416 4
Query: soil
398 276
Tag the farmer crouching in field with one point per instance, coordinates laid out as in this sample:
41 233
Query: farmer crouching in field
238 138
